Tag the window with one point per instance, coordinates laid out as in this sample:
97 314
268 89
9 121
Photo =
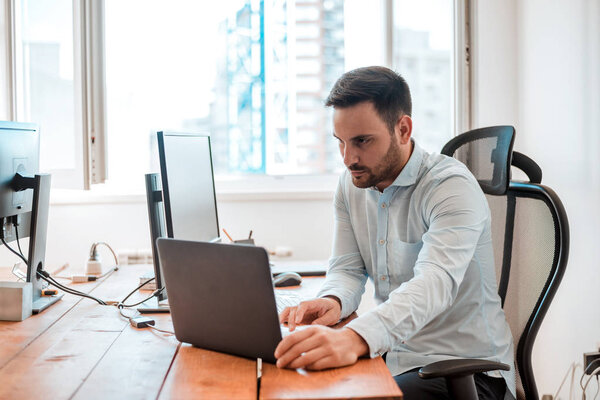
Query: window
46 82
251 73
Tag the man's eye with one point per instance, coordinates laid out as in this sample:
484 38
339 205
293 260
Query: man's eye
362 140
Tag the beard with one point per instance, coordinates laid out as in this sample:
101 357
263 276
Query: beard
387 169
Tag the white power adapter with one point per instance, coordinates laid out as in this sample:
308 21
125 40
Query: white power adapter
93 266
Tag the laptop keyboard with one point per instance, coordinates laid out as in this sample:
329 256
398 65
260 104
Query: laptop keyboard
285 299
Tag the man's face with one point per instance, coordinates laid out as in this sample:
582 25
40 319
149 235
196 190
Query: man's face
373 155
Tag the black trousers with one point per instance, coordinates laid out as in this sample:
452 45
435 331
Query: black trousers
415 388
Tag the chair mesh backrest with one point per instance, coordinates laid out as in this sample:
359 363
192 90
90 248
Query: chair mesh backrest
487 154
530 236
534 259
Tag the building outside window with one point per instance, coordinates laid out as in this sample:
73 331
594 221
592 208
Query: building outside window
253 74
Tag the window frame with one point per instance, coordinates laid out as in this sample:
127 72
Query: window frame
90 98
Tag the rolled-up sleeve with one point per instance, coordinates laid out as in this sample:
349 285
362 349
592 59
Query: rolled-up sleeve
457 212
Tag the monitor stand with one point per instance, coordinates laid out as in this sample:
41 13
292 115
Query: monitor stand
38 230
154 305
42 303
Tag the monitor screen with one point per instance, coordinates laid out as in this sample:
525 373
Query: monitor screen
188 186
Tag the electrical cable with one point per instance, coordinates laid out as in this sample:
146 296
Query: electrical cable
161 330
120 307
66 289
573 366
53 283
584 387
597 388
94 256
13 251
572 385
154 294
136 289
50 280
17 236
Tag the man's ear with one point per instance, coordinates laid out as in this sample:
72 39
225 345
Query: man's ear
404 128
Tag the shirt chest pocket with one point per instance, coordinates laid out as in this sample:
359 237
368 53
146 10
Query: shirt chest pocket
402 257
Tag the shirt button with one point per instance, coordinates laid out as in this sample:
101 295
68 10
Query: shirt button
383 278
383 205
381 241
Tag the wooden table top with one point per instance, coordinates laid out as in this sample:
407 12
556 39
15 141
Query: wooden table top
81 350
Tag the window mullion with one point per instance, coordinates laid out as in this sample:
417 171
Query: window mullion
8 59
91 36
462 66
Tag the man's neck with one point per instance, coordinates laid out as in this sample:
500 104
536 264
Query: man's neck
381 186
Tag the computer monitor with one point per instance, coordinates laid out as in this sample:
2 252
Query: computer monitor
188 186
181 200
156 219
24 199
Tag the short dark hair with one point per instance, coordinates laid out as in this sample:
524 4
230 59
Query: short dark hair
386 89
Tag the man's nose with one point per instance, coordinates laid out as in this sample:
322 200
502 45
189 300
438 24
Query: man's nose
349 156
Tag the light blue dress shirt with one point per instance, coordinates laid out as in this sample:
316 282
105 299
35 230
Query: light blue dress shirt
426 244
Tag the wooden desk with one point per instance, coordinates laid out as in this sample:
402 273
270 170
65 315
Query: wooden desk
78 349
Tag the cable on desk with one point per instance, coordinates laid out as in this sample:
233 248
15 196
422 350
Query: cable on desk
146 323
46 276
88 278
156 292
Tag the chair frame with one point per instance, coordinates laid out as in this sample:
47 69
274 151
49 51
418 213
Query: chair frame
459 373
559 264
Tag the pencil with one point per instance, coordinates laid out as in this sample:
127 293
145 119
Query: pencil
227 235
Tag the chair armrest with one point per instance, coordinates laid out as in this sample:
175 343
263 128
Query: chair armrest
459 367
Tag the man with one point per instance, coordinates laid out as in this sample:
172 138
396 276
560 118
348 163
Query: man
418 225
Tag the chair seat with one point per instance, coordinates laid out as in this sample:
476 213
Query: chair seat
459 367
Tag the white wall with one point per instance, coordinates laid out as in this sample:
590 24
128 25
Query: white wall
303 223
537 68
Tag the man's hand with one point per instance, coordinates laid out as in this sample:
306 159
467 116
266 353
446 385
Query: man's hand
323 311
320 347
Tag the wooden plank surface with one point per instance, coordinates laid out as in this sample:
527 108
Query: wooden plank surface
59 360
18 335
367 379
79 349
203 374
135 365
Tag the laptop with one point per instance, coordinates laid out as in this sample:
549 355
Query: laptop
221 297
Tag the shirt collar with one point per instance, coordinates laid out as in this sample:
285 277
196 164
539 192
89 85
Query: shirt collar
409 174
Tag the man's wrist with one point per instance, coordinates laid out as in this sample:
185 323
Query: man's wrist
329 296
359 344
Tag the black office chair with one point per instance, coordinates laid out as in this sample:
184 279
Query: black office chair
530 232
